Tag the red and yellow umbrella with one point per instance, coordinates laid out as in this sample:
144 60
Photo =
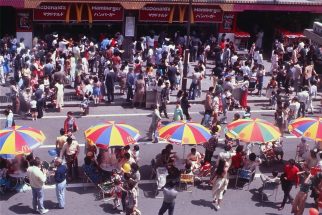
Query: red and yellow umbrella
20 139
185 133
309 127
110 134
253 130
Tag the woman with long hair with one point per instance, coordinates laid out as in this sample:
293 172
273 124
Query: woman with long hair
219 183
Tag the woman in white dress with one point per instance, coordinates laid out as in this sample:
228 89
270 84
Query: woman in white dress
219 183
72 71
59 95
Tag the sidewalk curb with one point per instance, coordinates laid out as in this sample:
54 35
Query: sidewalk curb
123 103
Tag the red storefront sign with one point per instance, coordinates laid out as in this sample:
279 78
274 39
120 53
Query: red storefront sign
207 14
228 24
156 13
24 20
79 12
107 12
51 12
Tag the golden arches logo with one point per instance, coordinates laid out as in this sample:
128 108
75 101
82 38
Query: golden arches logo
79 12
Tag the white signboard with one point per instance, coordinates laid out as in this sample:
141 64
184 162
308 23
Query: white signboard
129 26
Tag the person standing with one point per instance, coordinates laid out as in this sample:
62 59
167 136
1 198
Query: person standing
208 107
303 98
244 92
39 95
60 141
288 179
60 180
70 152
59 88
37 178
156 118
185 105
170 195
9 118
130 81
109 84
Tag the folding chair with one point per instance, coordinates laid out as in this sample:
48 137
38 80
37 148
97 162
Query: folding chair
245 175
269 186
187 180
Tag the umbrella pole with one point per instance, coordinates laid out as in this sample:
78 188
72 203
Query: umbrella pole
184 151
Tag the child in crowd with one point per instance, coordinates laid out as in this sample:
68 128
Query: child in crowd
247 113
85 105
178 79
178 113
117 193
136 153
33 108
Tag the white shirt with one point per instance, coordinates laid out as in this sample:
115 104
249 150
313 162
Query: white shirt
33 104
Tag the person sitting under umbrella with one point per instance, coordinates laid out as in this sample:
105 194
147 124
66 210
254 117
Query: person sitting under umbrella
195 158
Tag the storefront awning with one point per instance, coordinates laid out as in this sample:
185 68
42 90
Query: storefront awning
13 3
238 5
241 34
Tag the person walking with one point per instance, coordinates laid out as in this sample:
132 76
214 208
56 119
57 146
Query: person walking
37 178
70 123
70 152
156 118
211 144
39 95
219 183
288 179
170 194
60 180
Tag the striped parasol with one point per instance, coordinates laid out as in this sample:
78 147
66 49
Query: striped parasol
111 134
308 127
20 139
185 133
253 130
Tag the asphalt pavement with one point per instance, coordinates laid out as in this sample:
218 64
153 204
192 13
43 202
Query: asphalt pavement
84 201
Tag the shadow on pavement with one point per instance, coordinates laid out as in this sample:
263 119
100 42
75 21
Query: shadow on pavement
148 189
203 203
48 204
21 209
257 197
108 208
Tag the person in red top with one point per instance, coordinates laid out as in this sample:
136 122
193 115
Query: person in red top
70 123
238 158
288 179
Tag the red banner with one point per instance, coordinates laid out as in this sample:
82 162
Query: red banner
51 12
80 12
156 13
107 12
228 24
24 21
207 14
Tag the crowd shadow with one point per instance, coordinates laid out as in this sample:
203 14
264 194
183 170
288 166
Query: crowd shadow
149 190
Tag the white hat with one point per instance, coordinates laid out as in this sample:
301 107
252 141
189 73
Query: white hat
91 44
55 35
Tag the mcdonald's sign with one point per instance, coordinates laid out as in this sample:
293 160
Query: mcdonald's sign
79 12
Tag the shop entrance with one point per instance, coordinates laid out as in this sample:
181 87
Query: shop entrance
76 30
204 31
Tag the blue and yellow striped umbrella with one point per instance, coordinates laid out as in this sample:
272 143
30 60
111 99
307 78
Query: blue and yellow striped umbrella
185 133
20 139
111 134
309 127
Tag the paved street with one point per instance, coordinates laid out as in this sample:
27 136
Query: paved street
80 201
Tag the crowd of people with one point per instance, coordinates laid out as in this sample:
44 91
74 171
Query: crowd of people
93 69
